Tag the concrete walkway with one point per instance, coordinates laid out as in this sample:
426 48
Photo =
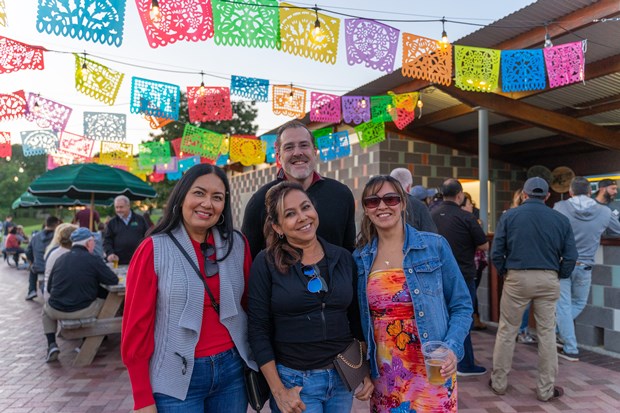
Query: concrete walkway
29 385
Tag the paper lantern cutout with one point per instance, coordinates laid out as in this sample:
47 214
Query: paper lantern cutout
565 63
185 164
250 88
201 142
39 142
2 14
75 145
5 144
105 126
317 133
372 43
116 154
156 177
427 59
19 56
189 20
334 146
289 101
522 70
299 37
270 147
55 160
155 122
166 167
12 105
407 101
325 107
222 160
403 117
97 80
209 105
98 21
140 171
356 109
381 108
225 147
247 151
46 113
250 23
152 153
174 176
176 147
154 98
476 69
370 133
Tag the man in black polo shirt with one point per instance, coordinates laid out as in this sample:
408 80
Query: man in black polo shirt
465 236
533 247
333 200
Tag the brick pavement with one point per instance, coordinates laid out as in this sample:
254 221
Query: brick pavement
29 385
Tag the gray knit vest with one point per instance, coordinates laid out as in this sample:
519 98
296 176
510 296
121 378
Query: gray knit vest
180 301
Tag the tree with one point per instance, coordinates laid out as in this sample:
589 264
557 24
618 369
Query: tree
25 169
242 123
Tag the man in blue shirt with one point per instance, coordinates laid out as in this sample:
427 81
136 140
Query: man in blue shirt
533 247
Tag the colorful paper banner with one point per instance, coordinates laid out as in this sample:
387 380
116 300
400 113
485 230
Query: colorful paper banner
371 43
19 56
201 142
116 154
427 59
476 68
13 105
96 80
247 151
39 142
103 126
565 63
356 109
370 133
46 113
208 104
5 145
523 70
249 88
250 23
154 98
289 101
334 146
325 107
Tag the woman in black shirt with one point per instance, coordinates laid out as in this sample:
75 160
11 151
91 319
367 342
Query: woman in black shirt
303 308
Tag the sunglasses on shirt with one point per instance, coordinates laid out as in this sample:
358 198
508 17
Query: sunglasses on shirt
373 201
211 266
316 283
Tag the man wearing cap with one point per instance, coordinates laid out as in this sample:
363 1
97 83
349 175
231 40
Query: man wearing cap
36 255
423 194
606 195
417 211
589 220
74 288
533 248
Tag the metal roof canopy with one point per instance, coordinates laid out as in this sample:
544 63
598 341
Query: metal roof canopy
551 126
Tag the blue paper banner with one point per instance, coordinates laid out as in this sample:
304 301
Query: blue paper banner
39 142
250 88
334 146
270 154
185 164
523 70
154 98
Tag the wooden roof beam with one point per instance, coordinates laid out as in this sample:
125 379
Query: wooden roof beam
536 116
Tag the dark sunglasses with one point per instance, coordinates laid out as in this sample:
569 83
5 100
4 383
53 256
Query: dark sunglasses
211 267
374 201
316 283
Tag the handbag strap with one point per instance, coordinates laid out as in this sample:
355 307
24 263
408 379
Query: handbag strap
214 303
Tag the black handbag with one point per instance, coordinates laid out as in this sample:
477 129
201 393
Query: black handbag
256 388
351 365
256 385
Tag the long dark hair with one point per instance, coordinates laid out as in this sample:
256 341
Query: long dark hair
282 254
173 215
368 230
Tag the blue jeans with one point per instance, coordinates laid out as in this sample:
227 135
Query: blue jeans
322 390
217 385
525 321
573 298
468 362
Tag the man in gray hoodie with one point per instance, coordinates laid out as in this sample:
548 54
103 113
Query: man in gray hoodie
589 220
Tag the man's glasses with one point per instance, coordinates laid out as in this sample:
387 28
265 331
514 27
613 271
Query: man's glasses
211 266
316 283
373 201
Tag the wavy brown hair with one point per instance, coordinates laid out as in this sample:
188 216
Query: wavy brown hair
282 254
374 185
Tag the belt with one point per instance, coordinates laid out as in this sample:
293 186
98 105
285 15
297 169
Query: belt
585 266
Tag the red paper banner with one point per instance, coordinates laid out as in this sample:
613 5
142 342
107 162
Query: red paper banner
19 56
12 105
5 144
207 104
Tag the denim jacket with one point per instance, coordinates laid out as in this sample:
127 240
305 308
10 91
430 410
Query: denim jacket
438 290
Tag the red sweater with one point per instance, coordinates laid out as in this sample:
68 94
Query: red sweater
138 333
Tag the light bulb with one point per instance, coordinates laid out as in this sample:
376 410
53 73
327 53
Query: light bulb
317 28
363 103
444 38
21 170
201 89
289 99
36 108
16 179
548 42
162 140
420 104
155 14
8 158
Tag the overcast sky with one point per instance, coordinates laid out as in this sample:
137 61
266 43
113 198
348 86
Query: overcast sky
56 81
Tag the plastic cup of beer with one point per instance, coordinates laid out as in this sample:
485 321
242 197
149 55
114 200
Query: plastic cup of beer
115 263
435 353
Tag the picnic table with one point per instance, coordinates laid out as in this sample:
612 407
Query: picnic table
108 321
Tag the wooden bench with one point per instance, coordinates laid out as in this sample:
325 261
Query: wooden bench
79 323
90 327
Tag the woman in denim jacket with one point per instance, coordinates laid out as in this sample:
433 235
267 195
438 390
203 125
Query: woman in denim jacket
410 291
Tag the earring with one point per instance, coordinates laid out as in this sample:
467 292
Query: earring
222 220
174 210
280 235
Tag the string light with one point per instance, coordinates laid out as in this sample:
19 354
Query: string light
155 14
201 90
548 42
317 22
82 71
21 170
8 159
444 35
16 178
291 95
35 107
420 106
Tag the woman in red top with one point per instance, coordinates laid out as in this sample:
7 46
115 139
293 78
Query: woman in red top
12 244
184 335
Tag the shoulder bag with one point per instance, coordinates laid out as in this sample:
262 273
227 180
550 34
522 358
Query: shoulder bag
256 386
351 365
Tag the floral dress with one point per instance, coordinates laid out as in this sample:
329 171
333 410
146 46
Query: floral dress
402 385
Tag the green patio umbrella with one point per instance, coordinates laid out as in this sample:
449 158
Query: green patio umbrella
27 200
90 181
